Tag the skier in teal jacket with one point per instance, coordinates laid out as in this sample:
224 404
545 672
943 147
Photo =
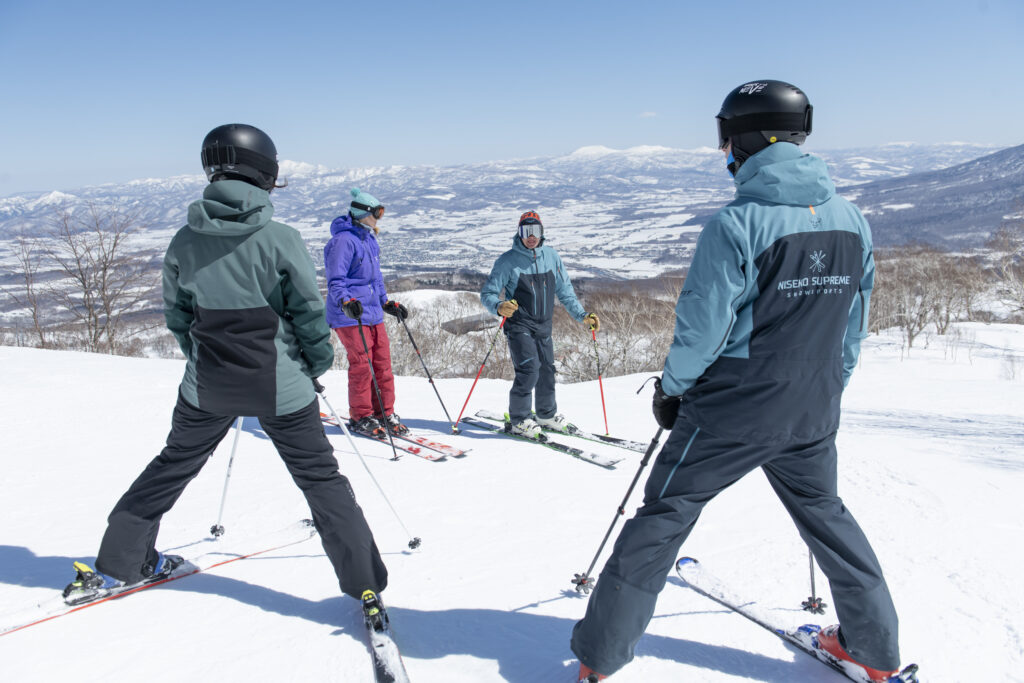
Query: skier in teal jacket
768 330
522 288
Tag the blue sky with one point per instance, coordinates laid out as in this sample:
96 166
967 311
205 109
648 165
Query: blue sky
111 91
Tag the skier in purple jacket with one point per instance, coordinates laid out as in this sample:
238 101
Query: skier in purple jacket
356 303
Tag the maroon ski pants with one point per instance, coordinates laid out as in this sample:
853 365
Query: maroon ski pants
362 399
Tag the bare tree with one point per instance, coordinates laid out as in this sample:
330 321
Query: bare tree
29 294
1007 245
902 295
957 283
100 280
975 282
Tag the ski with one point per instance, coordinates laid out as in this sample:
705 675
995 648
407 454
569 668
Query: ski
573 430
405 447
196 563
418 443
438 446
388 666
803 637
401 445
543 440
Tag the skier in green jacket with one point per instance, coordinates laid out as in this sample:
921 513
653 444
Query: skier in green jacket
241 298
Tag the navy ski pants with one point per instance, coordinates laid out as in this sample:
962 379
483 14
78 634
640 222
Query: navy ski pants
533 355
130 538
692 468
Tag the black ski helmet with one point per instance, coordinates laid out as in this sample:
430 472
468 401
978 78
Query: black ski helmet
759 113
240 152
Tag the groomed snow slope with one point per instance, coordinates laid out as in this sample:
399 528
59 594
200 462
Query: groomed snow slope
931 463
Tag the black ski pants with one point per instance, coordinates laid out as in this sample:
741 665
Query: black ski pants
692 468
533 355
130 540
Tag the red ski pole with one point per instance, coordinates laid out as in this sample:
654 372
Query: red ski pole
600 384
455 427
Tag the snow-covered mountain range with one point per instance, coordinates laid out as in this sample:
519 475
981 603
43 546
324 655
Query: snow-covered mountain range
611 213
960 205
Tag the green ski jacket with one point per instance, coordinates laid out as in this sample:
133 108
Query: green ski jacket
241 298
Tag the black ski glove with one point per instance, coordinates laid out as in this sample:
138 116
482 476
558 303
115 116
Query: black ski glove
665 407
396 309
353 308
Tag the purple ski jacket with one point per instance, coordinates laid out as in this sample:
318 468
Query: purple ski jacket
352 265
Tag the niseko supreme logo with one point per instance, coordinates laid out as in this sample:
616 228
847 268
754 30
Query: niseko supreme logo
815 284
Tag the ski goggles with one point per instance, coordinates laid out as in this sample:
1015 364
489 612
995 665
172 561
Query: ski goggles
375 211
533 229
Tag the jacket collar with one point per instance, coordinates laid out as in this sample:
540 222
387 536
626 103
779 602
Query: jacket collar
783 174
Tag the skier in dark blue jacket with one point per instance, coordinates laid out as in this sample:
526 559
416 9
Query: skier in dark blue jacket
522 288
768 330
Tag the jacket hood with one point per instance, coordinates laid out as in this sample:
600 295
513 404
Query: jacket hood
517 244
782 174
346 224
230 207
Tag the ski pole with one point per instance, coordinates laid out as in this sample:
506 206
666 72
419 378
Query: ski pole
217 529
414 541
493 342
600 384
584 582
455 430
813 604
376 389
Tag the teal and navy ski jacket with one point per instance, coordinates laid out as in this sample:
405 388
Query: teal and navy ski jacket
533 277
241 298
774 307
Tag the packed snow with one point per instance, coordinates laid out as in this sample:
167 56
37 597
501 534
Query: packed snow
931 463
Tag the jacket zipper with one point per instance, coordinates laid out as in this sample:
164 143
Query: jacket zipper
533 286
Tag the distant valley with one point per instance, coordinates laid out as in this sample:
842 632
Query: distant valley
619 214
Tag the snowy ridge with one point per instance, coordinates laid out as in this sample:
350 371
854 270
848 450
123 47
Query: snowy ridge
931 463
593 202
955 206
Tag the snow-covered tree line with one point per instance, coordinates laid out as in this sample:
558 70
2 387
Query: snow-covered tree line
85 286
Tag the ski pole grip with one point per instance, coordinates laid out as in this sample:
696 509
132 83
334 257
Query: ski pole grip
317 387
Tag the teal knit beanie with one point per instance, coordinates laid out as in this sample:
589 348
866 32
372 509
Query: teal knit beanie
360 197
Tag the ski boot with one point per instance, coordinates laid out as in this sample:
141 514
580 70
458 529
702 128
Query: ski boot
88 585
374 614
588 675
828 641
369 426
164 567
394 423
527 427
556 423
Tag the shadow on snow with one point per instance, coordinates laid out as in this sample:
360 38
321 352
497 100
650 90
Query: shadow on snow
527 647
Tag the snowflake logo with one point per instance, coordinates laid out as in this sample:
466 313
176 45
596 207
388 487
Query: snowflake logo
818 261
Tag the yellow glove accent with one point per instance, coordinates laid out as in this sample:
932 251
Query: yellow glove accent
593 321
